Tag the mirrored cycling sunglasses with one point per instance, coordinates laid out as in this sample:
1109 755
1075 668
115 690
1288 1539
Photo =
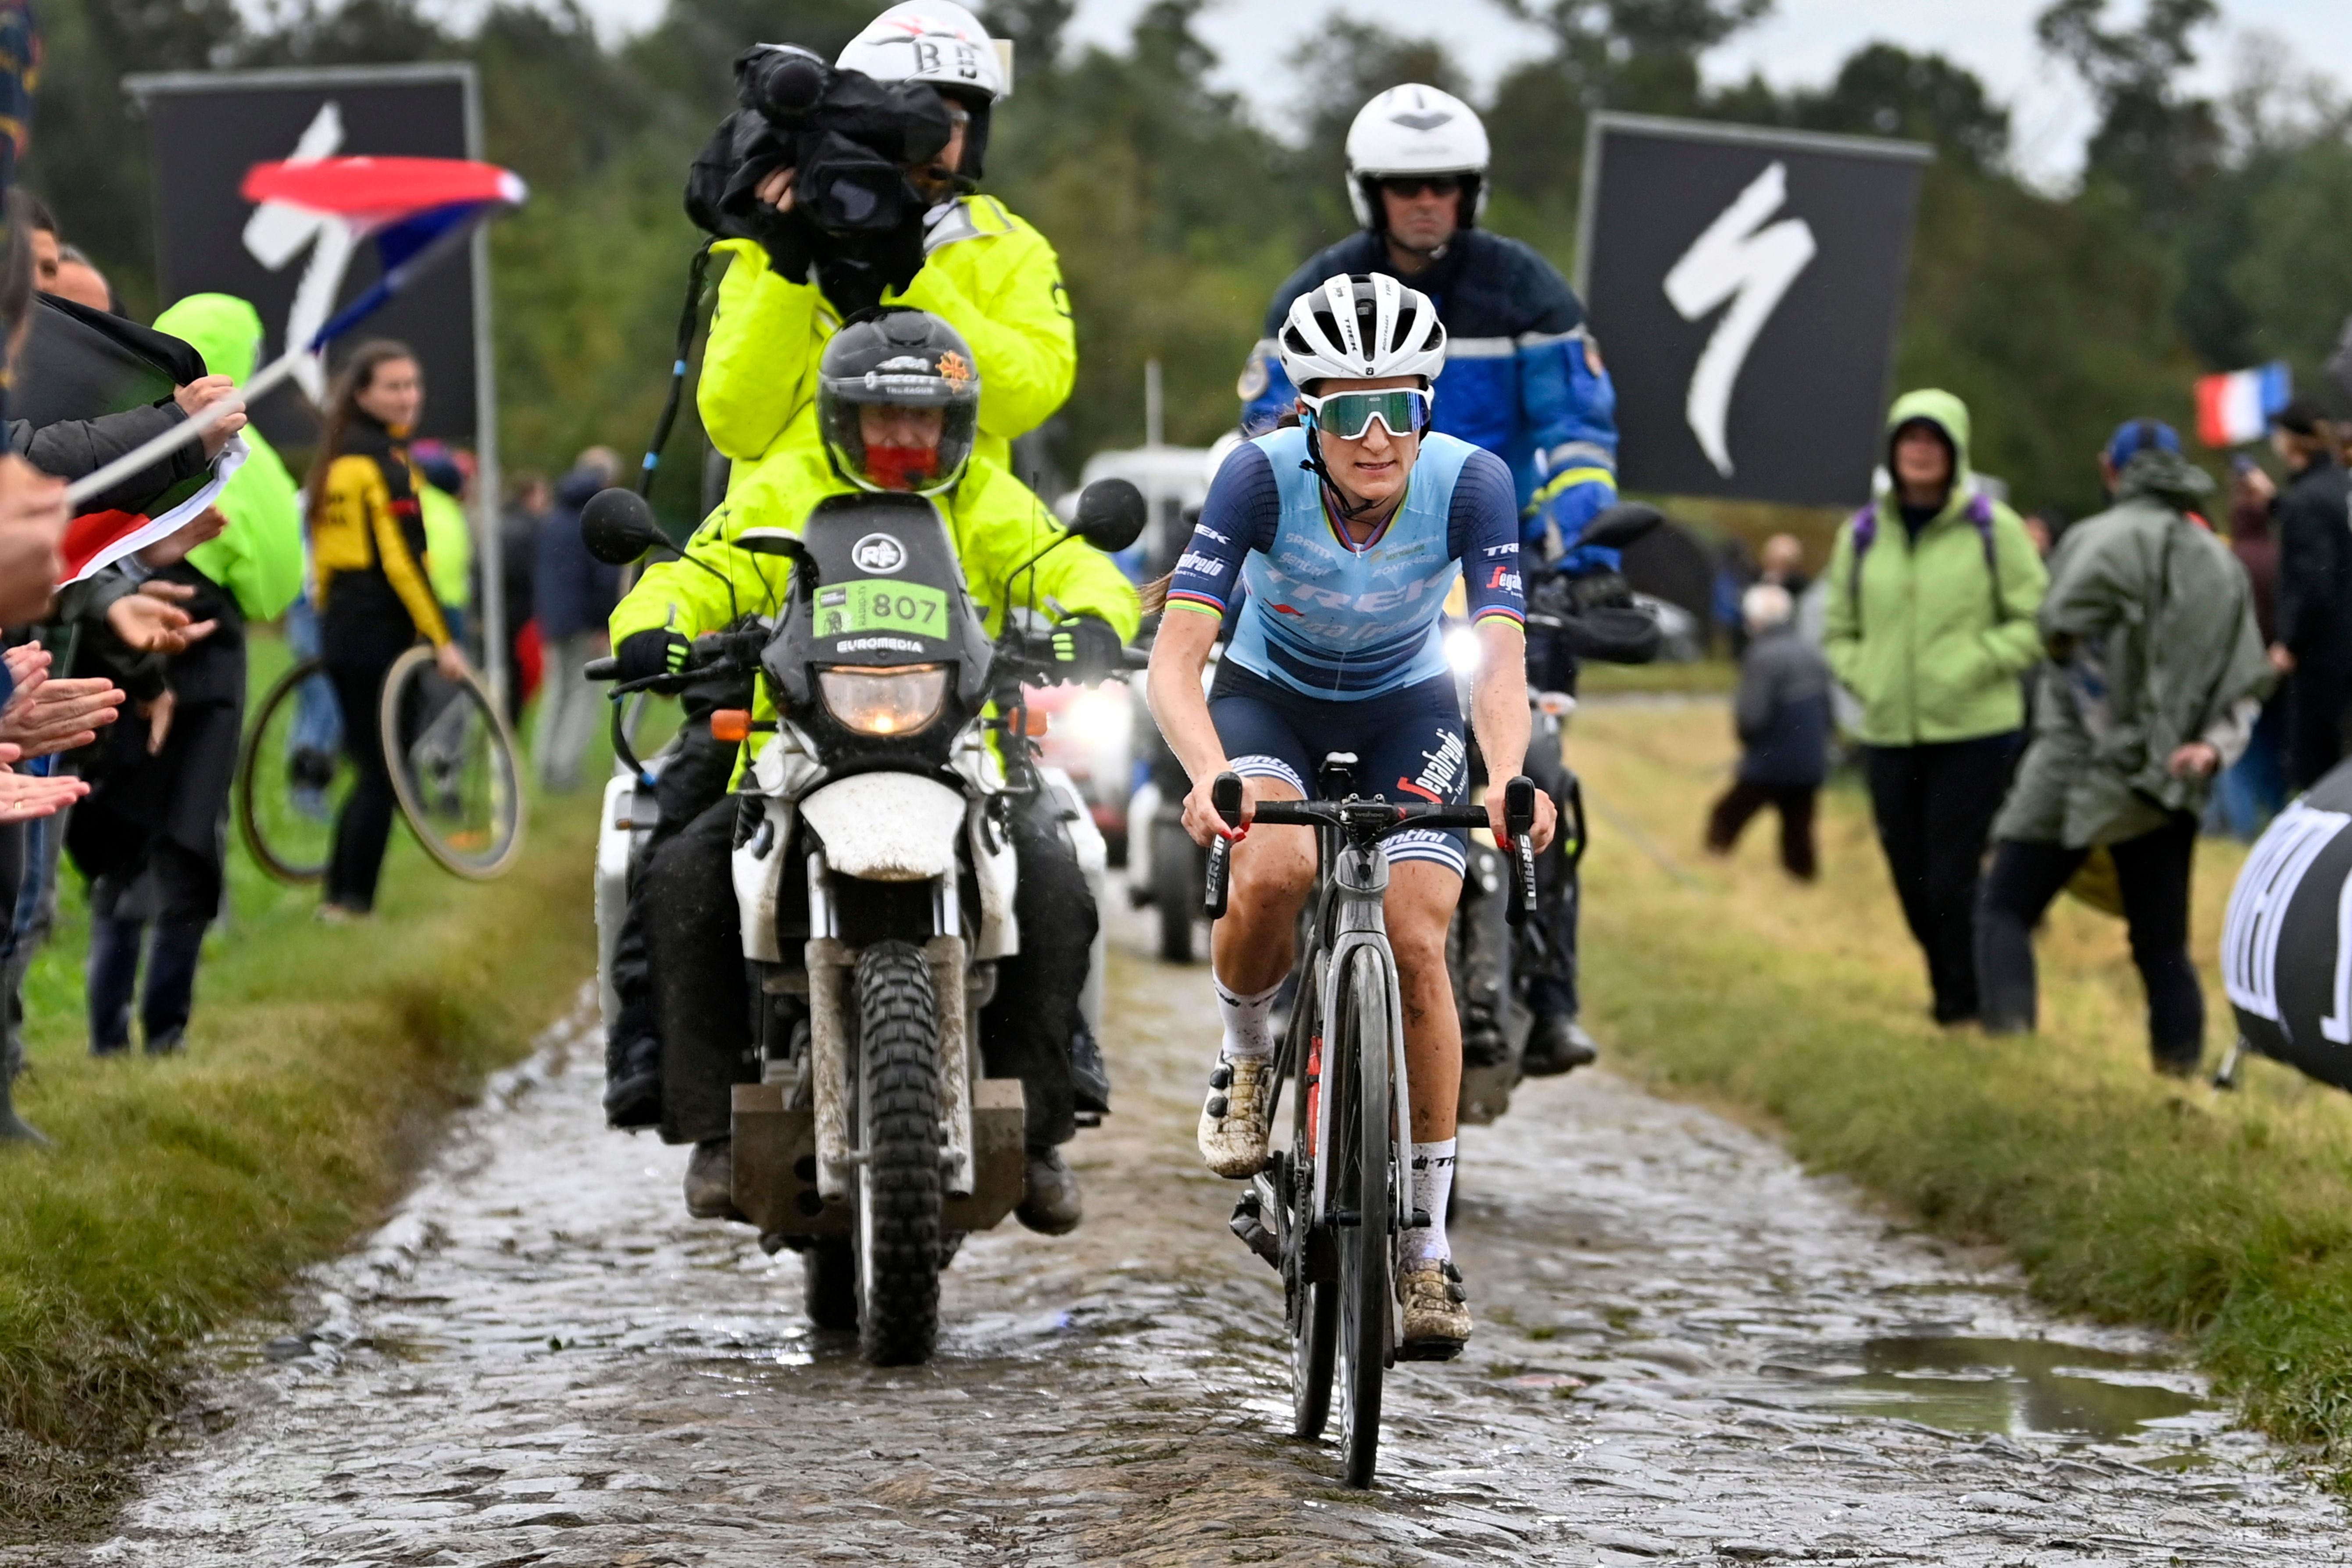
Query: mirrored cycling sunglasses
1348 415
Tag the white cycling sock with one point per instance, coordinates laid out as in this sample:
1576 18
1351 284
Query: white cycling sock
1248 1020
1432 1183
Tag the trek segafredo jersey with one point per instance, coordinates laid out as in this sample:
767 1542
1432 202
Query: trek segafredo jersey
1334 620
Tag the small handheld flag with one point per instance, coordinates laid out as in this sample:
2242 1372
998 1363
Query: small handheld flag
414 210
2236 407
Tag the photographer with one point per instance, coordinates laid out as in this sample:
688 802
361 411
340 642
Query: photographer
921 83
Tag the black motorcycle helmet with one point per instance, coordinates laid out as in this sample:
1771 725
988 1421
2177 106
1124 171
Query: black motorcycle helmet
897 357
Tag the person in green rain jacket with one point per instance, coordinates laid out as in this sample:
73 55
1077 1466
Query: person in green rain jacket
2156 676
152 833
1929 622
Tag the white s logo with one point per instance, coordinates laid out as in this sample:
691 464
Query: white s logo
1752 267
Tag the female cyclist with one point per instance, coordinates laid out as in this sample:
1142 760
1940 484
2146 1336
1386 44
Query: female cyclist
367 551
1333 541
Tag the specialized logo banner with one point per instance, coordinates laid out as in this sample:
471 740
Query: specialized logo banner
297 264
1746 285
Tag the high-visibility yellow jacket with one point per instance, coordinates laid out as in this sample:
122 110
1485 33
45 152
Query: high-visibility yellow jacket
987 274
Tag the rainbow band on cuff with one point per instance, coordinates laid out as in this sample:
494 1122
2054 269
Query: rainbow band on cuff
1199 603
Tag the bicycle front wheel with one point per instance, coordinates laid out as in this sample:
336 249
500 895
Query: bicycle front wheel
292 776
453 767
1364 1168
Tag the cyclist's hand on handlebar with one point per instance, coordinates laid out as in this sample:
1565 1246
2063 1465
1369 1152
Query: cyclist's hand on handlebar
1202 820
1547 820
651 654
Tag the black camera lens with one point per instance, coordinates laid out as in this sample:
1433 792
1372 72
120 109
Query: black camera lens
784 84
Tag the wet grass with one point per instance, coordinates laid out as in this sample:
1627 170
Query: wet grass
2227 1218
183 1192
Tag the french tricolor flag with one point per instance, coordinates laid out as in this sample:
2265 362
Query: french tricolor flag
2236 407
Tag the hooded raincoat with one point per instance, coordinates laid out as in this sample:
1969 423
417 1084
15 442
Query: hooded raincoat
2149 625
258 558
1932 633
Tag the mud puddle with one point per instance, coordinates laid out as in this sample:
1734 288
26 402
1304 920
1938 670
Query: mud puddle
1689 1352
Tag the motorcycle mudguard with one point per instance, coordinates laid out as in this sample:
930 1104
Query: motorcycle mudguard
1094 860
887 827
996 870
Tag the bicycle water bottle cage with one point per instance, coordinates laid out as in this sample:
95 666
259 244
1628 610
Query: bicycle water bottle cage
1336 779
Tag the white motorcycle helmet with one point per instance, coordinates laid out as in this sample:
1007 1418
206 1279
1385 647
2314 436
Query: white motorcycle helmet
940 43
1416 129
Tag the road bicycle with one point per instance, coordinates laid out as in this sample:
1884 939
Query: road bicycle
454 771
1326 1211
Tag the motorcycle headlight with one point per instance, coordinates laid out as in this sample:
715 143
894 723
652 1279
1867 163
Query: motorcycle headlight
894 700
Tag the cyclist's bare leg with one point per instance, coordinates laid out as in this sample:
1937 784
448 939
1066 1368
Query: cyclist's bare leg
1420 903
1273 871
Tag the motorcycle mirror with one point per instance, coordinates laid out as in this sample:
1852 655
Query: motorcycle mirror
1621 525
617 526
1111 515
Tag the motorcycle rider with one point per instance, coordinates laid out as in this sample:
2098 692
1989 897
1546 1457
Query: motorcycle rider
1523 379
989 275
911 429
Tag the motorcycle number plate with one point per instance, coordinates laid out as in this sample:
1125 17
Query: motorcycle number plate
881 605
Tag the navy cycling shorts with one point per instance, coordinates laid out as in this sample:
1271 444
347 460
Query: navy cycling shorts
1409 746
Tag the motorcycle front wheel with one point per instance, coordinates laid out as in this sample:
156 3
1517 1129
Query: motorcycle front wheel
898 1187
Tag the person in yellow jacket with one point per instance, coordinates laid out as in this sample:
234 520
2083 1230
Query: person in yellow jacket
375 598
906 430
986 272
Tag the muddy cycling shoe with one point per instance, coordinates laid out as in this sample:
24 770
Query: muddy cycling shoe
1232 1122
710 1180
1050 1205
1436 1311
1089 1075
1555 1044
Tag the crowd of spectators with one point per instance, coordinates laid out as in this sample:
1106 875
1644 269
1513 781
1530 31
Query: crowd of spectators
2042 707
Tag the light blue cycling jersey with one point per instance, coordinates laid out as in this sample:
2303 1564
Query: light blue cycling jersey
1341 621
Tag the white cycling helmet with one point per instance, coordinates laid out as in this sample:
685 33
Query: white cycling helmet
934 41
1360 327
1416 129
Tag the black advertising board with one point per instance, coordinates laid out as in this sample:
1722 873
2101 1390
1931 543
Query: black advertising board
206 129
1746 285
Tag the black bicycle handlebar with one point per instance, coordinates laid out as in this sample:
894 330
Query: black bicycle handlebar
1519 821
1226 794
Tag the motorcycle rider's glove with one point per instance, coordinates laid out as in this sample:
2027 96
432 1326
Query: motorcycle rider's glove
656 652
1086 649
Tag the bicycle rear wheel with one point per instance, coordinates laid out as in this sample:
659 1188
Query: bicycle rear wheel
292 776
1363 1168
453 767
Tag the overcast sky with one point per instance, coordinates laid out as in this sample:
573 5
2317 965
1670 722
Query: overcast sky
1803 42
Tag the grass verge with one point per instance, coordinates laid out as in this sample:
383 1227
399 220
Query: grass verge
2227 1218
182 1191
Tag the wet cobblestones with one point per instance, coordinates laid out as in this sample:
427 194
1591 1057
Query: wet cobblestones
540 1360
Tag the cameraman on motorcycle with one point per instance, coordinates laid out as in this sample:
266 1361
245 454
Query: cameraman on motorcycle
983 271
878 432
786 290
1523 379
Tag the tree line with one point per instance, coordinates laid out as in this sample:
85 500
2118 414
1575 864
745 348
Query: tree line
2203 233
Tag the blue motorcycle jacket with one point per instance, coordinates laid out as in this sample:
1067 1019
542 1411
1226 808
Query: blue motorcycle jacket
1523 379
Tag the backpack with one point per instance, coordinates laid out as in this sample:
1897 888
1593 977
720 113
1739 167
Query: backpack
1978 512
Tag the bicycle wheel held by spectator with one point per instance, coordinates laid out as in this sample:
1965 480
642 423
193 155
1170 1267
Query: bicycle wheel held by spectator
453 767
292 776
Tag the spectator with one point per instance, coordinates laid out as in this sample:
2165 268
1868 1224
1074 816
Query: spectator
1929 622
367 543
152 836
529 498
573 595
2253 789
2312 641
2156 675
82 283
1782 716
448 532
1784 567
2043 527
